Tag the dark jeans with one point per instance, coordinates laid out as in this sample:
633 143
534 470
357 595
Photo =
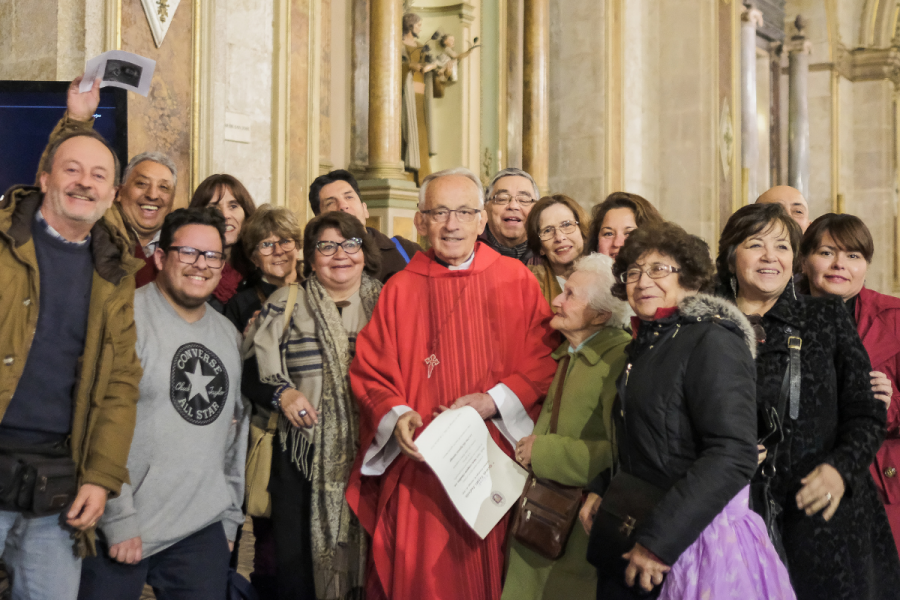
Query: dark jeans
196 568
614 588
291 494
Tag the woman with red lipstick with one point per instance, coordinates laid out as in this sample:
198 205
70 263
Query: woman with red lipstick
230 196
685 425
813 370
836 252
613 220
556 229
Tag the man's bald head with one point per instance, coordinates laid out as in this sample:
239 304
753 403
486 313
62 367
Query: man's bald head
792 201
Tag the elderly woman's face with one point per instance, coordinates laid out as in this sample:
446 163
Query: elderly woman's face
832 269
560 248
341 270
281 262
763 263
663 290
573 313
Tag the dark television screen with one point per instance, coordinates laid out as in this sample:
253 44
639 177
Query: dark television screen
28 112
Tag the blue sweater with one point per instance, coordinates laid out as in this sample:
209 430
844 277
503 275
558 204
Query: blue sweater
41 408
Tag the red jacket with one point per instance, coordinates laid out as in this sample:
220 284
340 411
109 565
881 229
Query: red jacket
878 323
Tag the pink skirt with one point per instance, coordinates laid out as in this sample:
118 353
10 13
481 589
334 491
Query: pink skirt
732 558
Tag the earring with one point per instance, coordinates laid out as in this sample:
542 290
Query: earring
793 288
734 286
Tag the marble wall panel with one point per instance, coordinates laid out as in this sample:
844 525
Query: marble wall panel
642 101
162 121
820 196
28 51
246 88
577 82
873 194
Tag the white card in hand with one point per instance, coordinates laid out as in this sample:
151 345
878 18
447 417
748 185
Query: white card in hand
121 69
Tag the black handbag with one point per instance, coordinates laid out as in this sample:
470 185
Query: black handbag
38 480
627 502
771 435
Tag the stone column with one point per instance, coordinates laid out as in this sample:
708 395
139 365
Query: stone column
390 196
514 51
359 88
751 18
536 92
384 90
799 49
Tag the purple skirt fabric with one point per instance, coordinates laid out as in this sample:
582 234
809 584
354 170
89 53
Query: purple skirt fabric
732 558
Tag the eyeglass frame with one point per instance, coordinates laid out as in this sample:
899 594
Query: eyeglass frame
280 243
204 253
669 270
339 245
432 214
553 228
516 197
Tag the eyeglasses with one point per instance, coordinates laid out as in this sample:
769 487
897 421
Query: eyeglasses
548 233
267 248
440 215
504 199
656 271
190 256
350 246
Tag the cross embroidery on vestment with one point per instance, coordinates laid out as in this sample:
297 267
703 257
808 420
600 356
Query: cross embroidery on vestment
432 361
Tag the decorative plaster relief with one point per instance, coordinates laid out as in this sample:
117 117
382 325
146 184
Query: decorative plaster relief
726 138
159 15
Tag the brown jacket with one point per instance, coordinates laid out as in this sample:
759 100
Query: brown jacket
106 394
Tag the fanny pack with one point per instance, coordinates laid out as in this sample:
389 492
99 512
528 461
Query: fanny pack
37 480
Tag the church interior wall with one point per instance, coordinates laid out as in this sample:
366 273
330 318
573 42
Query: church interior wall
873 196
688 158
671 90
577 92
245 88
641 111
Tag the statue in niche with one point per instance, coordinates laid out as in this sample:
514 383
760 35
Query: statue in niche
447 72
417 78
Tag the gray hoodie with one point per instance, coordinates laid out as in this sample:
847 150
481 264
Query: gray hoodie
186 463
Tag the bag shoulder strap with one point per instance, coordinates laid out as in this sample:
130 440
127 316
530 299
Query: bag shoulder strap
289 309
400 249
788 398
554 417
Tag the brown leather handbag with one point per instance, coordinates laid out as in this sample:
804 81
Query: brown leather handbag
547 510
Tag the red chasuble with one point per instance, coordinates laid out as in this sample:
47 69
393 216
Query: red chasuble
486 325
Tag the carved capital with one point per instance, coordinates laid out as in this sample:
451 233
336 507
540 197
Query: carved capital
751 15
798 45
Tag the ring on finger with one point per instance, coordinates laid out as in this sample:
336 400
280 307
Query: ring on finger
828 497
303 413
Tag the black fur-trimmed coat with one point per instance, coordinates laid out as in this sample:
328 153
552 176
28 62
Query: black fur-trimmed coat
851 557
688 423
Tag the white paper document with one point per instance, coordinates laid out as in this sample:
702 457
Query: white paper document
119 69
480 479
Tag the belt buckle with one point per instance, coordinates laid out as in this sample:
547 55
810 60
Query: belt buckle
794 342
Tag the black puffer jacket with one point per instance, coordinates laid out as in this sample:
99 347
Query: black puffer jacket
688 422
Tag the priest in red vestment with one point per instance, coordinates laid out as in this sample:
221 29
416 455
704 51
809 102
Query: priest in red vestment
460 325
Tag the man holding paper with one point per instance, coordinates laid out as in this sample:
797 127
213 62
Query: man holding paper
147 193
460 326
